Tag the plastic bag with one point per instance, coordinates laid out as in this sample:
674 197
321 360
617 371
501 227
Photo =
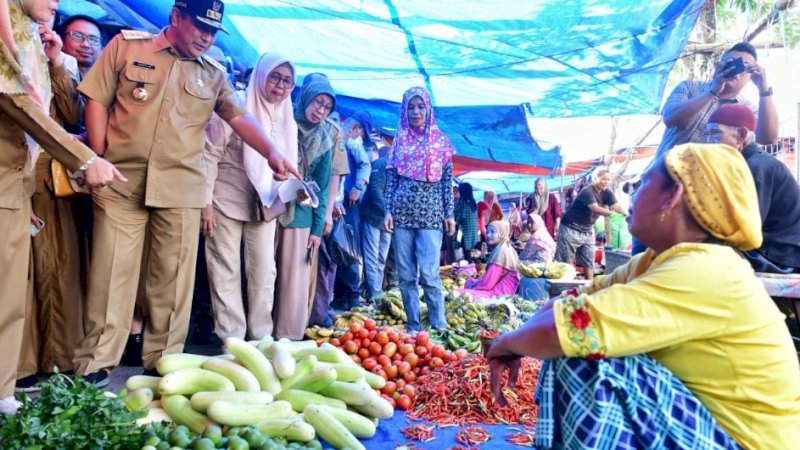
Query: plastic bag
342 244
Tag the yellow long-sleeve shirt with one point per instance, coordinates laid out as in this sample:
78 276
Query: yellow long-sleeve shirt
700 311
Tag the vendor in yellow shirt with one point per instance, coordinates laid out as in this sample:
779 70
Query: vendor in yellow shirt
681 347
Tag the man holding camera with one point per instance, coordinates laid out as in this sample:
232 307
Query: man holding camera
692 102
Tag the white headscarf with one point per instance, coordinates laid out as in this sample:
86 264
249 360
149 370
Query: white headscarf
503 254
278 122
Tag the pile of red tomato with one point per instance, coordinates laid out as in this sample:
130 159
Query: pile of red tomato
396 356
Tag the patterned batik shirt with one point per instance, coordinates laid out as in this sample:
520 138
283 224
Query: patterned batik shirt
419 204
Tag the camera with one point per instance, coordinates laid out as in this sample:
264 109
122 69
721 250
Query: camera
738 67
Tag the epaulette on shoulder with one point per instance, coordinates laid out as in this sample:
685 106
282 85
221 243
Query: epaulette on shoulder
136 35
214 63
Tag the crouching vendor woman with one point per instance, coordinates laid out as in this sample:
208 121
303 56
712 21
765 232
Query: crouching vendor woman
680 348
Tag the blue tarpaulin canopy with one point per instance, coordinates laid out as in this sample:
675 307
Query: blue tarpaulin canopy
488 65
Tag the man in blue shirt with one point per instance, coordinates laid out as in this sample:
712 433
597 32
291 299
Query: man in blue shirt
358 129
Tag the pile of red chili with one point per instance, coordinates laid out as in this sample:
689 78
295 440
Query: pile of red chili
419 432
459 393
473 435
523 438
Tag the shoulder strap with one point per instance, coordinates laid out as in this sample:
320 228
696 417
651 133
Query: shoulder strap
214 63
136 35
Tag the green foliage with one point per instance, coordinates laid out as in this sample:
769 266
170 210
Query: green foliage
783 29
72 414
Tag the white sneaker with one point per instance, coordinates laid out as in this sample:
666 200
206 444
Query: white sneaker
9 406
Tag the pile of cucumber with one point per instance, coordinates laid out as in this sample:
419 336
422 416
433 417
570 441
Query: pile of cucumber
281 391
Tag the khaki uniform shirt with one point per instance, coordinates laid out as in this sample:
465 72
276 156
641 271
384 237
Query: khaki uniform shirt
339 165
20 115
227 186
157 142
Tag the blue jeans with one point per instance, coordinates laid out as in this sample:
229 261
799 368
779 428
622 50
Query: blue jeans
417 252
374 247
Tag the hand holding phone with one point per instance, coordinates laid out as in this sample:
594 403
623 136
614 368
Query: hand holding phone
733 67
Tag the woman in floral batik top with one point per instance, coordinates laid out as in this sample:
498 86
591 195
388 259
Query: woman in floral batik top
419 205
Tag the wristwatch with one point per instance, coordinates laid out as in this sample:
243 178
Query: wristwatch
766 93
359 186
88 163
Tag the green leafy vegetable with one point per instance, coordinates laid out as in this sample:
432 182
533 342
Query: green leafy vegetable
72 414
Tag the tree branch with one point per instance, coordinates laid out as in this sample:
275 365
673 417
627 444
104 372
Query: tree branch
780 6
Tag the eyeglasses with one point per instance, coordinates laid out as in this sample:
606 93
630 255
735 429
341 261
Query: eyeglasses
277 79
77 36
320 104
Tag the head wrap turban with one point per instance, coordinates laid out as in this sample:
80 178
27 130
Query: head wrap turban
719 191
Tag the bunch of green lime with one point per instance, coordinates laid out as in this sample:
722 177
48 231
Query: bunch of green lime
234 438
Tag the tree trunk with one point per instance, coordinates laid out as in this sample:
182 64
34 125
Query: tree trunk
701 64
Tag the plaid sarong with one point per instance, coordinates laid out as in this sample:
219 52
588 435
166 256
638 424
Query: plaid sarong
621 403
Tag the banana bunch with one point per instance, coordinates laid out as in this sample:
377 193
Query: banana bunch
456 339
345 319
551 270
390 309
448 283
555 270
465 315
528 306
514 323
386 319
530 270
319 334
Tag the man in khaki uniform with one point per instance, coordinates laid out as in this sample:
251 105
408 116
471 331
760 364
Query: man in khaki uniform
20 115
149 100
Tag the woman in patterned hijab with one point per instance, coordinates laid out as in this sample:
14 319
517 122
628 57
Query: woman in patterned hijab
419 205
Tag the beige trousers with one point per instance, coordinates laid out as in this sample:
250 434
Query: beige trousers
119 237
60 257
291 305
223 258
14 259
29 353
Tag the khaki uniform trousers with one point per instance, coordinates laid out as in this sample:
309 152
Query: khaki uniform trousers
119 236
60 262
30 346
14 259
223 258
291 307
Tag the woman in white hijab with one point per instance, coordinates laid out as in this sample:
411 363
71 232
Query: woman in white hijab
238 189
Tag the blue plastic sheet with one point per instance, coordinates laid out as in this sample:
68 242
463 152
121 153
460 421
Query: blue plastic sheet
488 65
563 57
389 436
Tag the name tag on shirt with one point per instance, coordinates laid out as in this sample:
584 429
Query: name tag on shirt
144 65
